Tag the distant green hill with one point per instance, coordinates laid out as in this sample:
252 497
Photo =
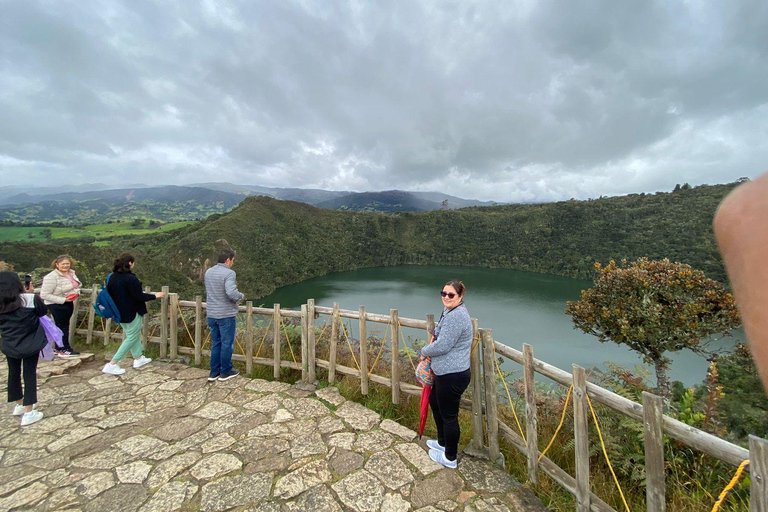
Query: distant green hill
390 201
165 204
393 201
281 243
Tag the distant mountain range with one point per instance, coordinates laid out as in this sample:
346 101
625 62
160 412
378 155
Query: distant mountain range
168 193
58 204
386 201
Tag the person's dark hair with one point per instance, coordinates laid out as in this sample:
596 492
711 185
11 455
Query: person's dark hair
10 291
225 254
123 262
458 286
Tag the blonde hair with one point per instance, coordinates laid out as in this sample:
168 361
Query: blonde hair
61 258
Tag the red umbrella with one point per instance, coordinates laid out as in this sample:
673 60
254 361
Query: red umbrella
425 375
424 408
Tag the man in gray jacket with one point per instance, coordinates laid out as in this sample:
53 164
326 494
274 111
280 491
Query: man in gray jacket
222 298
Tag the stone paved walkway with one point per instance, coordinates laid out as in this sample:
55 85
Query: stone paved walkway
162 438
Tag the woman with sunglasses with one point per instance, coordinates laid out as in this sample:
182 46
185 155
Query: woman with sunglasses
450 362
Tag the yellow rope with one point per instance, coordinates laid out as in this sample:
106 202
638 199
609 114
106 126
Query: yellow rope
266 331
351 350
475 344
405 345
605 452
325 326
562 420
381 348
82 322
288 339
206 340
184 322
509 397
730 485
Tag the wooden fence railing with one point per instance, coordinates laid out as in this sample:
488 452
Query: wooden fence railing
487 425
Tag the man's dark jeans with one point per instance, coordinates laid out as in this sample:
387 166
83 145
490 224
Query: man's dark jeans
222 344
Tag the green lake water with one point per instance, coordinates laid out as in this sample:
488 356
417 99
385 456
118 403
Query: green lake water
520 307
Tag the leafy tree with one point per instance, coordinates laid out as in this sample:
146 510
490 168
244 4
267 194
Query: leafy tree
744 404
654 307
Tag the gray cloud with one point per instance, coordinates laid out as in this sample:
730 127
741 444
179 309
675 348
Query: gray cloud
510 101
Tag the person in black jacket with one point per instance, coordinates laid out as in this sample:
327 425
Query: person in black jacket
130 299
23 338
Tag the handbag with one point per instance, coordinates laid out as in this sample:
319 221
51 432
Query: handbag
424 373
54 335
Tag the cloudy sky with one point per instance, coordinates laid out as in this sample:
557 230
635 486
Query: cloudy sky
515 100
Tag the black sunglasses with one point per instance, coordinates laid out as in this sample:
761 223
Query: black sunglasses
447 294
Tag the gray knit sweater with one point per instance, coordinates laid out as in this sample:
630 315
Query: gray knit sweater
222 296
453 344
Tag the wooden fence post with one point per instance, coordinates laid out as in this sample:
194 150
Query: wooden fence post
653 424
91 315
531 428
758 462
249 337
304 328
198 330
363 353
476 385
334 343
164 323
174 323
107 331
395 345
276 341
73 320
581 438
311 344
491 408
145 325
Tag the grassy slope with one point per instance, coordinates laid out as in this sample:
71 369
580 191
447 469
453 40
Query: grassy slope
98 231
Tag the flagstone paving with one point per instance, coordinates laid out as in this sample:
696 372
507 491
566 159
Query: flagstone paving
161 438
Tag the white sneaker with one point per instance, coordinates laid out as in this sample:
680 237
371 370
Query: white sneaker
31 417
18 410
113 369
141 361
434 445
439 457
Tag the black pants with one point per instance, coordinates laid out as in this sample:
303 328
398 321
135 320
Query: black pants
61 315
29 394
444 401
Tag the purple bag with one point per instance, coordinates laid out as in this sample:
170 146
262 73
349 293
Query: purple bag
54 335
